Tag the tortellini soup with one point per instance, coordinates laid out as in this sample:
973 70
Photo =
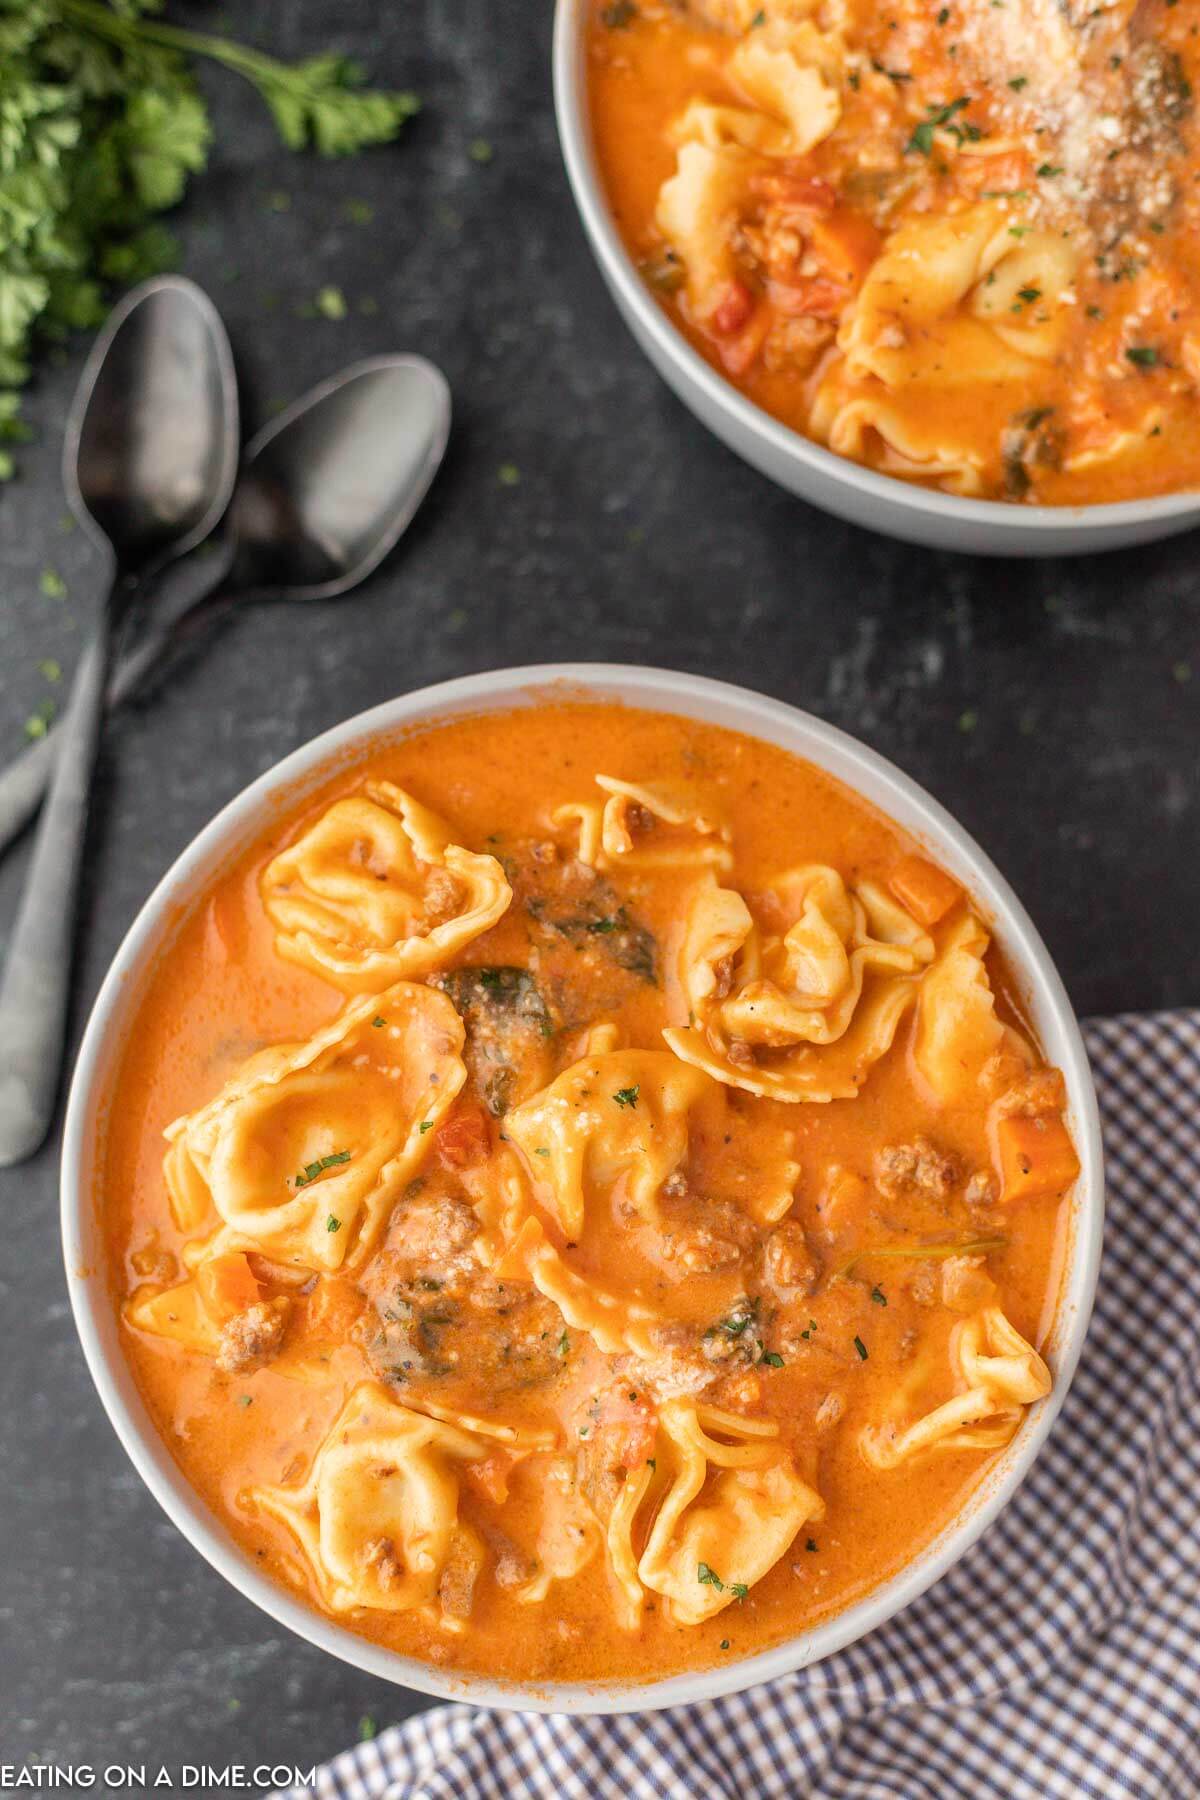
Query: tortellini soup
957 242
582 1197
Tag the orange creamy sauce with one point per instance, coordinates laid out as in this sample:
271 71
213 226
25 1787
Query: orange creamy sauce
1077 126
220 992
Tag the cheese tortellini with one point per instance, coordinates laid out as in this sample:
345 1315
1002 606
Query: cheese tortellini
803 1013
305 1150
724 1501
997 1374
611 1137
377 891
960 1047
789 76
648 825
378 1514
951 302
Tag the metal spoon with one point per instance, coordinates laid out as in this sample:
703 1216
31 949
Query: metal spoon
324 493
149 464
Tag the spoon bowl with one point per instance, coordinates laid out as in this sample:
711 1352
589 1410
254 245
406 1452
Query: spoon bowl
328 487
151 446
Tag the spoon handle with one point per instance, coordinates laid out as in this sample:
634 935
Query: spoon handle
25 780
36 985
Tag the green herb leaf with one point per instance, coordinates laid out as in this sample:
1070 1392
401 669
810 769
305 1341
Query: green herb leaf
311 1170
708 1577
860 1347
739 1589
1144 355
333 1224
627 1096
773 1359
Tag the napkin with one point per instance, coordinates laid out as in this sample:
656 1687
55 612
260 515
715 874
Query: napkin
1059 1657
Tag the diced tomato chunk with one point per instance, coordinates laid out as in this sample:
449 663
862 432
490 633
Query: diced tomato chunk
464 1138
732 310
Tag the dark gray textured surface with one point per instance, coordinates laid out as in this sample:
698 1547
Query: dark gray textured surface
1053 707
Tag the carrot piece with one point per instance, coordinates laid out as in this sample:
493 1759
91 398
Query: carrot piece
227 1285
926 891
1037 1157
845 244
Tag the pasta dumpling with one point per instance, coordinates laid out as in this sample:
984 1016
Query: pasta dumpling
650 825
789 73
378 1514
305 1150
961 1050
718 1503
377 891
803 1014
613 1138
617 1121
997 1374
950 302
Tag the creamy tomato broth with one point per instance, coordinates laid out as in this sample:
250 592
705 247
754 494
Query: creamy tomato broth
582 1198
957 243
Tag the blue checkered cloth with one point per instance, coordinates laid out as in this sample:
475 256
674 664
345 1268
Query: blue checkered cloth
1060 1657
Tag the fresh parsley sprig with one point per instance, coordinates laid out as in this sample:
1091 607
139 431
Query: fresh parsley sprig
101 127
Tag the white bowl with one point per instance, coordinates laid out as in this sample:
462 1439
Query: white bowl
242 821
899 508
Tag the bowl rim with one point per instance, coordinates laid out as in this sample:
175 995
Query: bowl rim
884 786
587 187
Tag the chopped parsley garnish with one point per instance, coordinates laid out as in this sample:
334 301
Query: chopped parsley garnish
1144 355
1029 294
426 1125
541 1150
627 1096
760 18
332 1224
896 75
773 1359
860 1347
939 118
378 1020
878 1296
708 1577
743 1315
1048 171
366 1729
739 1589
1018 82
810 1544
311 1170
245 1400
